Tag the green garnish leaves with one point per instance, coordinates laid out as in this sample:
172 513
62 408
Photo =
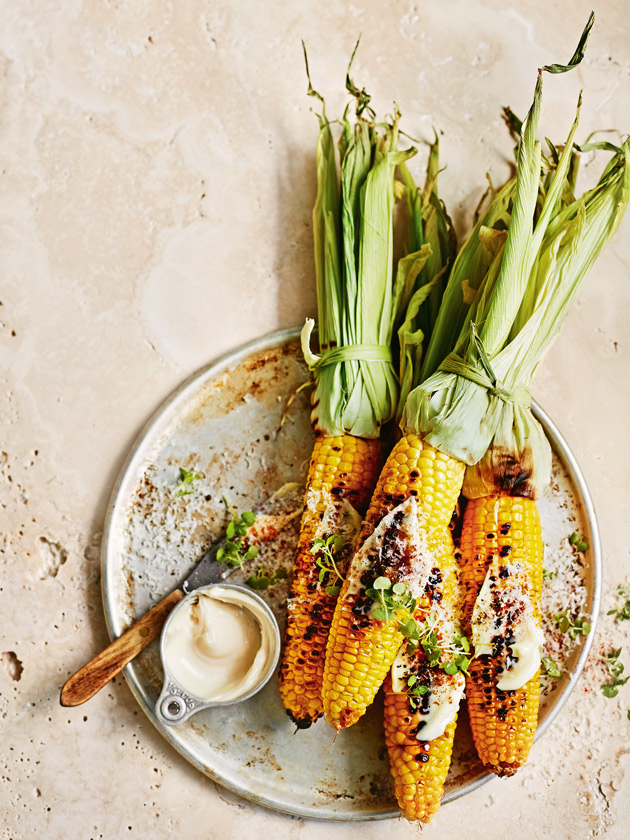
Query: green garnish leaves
410 629
233 551
259 581
396 602
185 478
578 542
573 626
381 614
551 668
382 583
391 599
462 642
615 669
622 613
462 663
548 575
264 579
610 690
329 575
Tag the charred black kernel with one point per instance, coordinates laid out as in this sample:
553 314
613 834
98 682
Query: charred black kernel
336 491
504 571
424 757
510 639
502 713
505 527
458 556
437 596
336 449
489 536
414 474
510 661
505 550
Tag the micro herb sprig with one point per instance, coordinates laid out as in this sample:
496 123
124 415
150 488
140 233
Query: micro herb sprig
395 599
391 599
551 668
622 613
264 579
578 542
573 626
231 552
415 692
615 669
325 549
548 575
186 478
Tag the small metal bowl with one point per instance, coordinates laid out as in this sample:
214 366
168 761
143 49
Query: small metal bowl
175 704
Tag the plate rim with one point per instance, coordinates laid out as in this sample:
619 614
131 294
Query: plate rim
218 366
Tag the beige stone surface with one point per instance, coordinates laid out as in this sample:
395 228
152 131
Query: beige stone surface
157 182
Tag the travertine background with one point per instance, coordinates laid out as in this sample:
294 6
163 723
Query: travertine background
157 182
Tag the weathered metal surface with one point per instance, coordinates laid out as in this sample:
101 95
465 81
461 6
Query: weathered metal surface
222 424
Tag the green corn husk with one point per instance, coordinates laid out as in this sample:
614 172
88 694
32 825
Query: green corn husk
360 304
475 406
431 237
572 243
482 247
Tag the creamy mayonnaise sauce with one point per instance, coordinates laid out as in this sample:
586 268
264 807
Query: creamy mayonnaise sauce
339 518
219 644
504 607
409 532
444 695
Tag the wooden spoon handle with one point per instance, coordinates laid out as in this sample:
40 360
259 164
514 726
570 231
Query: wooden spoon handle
89 679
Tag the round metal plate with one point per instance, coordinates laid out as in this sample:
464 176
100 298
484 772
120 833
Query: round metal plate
222 424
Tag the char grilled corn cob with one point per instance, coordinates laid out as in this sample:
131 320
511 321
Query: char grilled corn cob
361 649
422 700
501 543
342 474
356 384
